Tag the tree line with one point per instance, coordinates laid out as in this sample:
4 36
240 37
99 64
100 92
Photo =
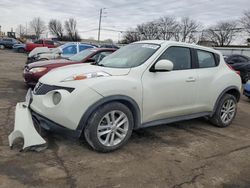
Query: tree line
188 30
66 32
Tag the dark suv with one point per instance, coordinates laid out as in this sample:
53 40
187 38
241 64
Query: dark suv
240 63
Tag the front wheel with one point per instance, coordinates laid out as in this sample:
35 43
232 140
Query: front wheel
2 46
21 50
109 127
225 112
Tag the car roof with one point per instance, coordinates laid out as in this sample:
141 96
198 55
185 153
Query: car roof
172 43
239 55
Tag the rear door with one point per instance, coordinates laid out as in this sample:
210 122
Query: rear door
207 69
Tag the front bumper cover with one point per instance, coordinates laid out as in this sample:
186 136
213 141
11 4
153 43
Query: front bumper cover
24 128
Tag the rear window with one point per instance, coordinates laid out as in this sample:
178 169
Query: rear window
7 40
49 42
206 59
38 42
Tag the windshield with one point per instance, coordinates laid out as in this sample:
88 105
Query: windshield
130 56
81 55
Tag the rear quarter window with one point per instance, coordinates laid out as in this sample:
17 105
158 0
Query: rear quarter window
206 59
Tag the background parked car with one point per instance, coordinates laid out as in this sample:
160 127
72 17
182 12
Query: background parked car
19 48
240 63
64 51
109 46
40 43
247 89
33 71
8 42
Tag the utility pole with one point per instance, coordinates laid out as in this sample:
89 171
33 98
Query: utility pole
99 29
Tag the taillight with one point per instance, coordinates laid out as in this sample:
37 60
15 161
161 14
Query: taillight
229 66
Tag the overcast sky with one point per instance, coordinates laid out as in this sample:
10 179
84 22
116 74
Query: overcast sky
119 14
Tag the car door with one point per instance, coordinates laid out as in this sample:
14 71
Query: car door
173 93
207 69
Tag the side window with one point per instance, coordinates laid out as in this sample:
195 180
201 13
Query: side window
206 59
180 56
70 49
49 42
83 47
38 42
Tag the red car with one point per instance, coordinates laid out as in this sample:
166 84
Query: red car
40 43
33 71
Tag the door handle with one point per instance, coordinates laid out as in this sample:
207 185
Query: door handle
190 79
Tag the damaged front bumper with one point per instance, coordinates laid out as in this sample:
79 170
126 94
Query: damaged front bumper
24 127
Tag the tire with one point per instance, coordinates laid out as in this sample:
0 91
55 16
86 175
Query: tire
2 46
245 77
21 50
225 112
100 122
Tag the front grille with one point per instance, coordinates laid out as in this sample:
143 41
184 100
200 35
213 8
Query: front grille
42 89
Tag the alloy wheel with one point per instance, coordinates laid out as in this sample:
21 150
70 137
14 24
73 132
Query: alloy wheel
113 128
228 111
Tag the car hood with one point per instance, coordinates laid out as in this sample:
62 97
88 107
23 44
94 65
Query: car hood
38 50
59 74
48 62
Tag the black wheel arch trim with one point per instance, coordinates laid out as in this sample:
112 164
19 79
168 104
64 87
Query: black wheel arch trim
223 93
128 101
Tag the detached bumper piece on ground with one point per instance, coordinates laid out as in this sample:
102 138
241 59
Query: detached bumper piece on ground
24 128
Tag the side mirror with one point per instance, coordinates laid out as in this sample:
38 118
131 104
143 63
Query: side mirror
162 66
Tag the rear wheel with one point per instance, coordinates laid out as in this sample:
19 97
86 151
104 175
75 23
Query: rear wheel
225 112
109 127
245 77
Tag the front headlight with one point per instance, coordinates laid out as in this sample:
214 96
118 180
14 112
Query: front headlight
86 76
37 69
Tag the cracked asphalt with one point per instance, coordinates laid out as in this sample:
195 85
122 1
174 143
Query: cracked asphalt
180 155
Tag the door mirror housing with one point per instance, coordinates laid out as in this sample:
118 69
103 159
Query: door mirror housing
162 66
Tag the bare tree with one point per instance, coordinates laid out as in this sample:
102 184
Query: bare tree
168 26
56 28
186 29
70 27
222 33
20 30
165 28
148 31
245 20
37 25
130 36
